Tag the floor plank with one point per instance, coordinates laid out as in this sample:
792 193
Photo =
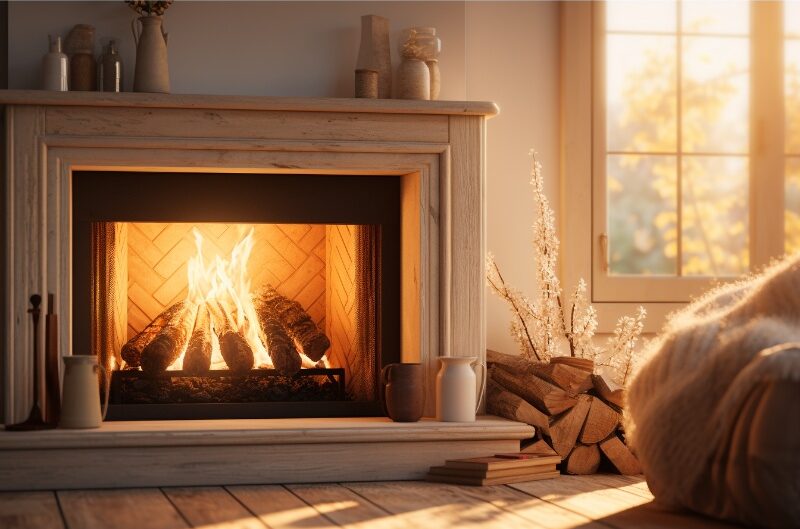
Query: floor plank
29 510
434 505
611 506
120 509
211 506
346 508
278 508
542 513
633 484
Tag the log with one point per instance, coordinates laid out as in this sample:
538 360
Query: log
584 364
280 346
511 363
170 342
132 351
584 459
620 456
539 447
573 380
281 350
564 430
505 404
309 340
601 421
232 345
197 359
609 391
545 396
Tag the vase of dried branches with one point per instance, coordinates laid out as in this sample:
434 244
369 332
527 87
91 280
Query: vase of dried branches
152 70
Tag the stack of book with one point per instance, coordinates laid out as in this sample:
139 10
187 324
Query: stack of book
496 470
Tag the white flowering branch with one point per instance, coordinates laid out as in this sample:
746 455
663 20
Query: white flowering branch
541 327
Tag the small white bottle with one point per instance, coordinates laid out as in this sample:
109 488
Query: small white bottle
55 68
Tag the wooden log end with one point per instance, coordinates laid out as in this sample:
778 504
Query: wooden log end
565 429
601 421
583 460
620 456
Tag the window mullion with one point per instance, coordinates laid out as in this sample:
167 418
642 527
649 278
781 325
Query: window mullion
766 134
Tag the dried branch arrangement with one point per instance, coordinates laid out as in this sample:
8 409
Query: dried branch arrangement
149 7
553 384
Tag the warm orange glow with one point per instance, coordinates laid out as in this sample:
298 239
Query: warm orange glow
225 286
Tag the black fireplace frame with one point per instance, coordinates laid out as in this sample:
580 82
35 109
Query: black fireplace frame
120 196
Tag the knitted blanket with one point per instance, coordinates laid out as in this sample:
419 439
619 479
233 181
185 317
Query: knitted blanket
714 412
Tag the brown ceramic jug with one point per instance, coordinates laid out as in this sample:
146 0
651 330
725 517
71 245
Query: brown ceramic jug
403 392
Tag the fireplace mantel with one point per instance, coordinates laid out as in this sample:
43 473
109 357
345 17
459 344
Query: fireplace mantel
436 148
218 102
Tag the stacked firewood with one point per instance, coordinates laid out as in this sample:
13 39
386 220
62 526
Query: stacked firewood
286 330
576 413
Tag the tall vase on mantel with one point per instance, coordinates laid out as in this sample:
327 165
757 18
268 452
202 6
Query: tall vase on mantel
152 69
374 52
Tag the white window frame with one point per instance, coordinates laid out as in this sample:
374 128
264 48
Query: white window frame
583 167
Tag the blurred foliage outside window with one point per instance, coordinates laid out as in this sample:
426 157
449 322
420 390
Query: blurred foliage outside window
677 136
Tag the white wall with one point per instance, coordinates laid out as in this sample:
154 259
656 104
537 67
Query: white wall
505 52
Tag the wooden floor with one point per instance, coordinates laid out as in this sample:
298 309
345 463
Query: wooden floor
600 501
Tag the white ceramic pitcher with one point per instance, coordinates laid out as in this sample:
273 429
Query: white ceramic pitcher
456 389
80 401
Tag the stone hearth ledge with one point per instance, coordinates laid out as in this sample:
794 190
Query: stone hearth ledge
244 451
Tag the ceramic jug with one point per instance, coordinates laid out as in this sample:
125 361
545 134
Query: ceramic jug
456 389
152 71
80 402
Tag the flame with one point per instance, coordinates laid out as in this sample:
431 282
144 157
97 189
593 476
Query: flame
225 285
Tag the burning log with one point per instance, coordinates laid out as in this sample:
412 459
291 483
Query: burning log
198 353
170 342
132 350
234 347
298 324
284 355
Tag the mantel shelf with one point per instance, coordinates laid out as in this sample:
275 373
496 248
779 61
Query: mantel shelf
219 102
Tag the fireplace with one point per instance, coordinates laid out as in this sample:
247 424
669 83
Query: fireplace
211 295
94 181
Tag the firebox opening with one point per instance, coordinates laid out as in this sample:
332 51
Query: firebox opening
238 312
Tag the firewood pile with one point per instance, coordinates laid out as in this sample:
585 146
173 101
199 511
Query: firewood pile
284 326
576 413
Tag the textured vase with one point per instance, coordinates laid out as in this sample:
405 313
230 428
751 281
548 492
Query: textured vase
374 52
152 69
413 80
436 78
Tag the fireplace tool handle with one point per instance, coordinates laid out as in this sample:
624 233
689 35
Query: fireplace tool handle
35 420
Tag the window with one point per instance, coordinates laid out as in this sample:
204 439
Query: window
688 155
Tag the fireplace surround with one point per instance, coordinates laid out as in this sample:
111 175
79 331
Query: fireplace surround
434 150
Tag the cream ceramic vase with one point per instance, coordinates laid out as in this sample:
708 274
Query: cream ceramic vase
80 401
456 389
152 70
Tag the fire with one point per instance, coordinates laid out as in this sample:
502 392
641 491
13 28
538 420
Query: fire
224 285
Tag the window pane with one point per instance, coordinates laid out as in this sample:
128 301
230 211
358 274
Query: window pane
731 17
640 93
715 218
715 95
791 18
642 214
792 88
641 15
792 218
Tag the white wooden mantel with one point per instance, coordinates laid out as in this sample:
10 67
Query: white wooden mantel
437 148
